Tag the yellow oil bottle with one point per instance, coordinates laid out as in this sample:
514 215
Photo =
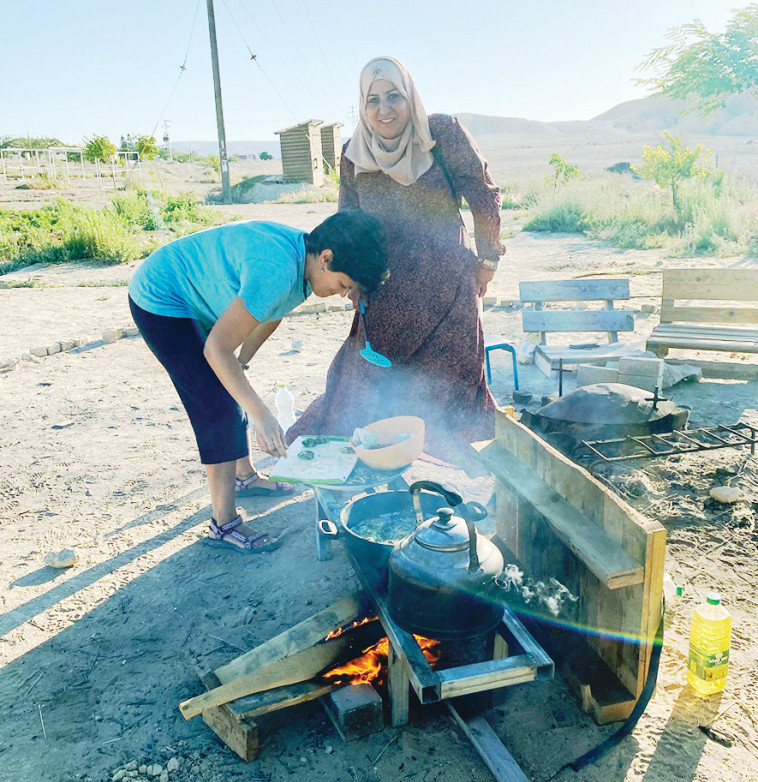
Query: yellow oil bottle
710 635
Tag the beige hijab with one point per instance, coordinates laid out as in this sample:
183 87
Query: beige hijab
404 158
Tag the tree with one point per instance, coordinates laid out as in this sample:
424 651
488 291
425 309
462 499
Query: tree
706 68
562 171
99 148
670 167
147 148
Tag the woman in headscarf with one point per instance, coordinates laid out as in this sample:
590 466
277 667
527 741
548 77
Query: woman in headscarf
410 171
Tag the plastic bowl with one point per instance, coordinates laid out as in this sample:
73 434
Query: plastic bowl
399 454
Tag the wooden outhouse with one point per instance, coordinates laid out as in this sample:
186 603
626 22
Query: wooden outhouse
302 158
331 145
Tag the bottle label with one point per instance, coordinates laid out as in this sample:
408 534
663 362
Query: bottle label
708 666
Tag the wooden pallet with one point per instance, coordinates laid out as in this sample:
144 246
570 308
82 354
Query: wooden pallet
560 522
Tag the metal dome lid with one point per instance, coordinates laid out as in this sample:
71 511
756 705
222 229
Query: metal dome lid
607 404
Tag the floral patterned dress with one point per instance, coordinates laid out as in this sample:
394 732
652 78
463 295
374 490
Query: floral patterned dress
425 318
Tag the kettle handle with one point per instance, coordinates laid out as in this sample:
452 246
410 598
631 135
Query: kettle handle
471 512
446 491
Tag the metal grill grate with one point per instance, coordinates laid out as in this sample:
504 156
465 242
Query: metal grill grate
707 438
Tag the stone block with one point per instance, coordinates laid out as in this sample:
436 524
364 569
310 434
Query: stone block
38 351
640 381
355 710
489 301
54 348
110 335
587 374
131 331
652 367
68 344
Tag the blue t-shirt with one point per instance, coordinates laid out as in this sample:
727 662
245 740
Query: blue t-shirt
199 275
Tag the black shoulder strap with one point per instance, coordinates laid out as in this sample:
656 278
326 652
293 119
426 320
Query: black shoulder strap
437 155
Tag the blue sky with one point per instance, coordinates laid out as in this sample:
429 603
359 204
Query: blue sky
76 68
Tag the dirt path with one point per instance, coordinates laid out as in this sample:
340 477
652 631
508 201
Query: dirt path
96 455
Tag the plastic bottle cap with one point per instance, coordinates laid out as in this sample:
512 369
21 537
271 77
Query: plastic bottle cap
713 599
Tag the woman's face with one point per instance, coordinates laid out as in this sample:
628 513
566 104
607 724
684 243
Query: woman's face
387 110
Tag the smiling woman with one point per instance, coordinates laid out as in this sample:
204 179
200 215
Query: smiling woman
410 171
200 298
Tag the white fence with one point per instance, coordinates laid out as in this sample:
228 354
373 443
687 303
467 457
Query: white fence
65 164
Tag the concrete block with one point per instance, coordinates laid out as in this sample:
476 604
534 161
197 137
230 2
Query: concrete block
54 348
652 367
355 710
587 375
349 306
131 331
38 351
68 344
110 335
6 364
489 301
641 381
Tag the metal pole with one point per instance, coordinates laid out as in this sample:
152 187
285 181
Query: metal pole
226 189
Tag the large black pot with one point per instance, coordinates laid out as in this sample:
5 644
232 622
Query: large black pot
366 550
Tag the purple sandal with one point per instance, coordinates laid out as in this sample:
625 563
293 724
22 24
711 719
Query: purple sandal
243 487
216 535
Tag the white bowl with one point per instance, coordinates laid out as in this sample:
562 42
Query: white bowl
399 454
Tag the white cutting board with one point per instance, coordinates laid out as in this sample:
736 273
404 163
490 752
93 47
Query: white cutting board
329 466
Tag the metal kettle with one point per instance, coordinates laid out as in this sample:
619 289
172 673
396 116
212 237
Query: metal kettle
442 576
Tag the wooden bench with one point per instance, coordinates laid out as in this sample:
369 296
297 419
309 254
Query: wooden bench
535 318
698 311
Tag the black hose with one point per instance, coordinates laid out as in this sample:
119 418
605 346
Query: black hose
631 721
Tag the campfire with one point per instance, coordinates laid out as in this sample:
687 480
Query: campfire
371 665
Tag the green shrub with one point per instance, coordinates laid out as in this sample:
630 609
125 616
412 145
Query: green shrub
713 215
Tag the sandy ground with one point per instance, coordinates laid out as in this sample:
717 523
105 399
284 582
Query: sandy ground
97 456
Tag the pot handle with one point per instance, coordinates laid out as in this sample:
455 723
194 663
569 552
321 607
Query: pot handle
328 528
448 492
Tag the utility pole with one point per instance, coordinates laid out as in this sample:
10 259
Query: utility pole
226 189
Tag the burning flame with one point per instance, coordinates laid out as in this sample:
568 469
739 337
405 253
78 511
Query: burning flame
336 633
371 666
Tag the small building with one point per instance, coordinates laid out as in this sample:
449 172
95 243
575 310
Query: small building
302 157
331 145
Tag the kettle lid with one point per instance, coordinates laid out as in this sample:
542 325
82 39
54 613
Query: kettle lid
445 532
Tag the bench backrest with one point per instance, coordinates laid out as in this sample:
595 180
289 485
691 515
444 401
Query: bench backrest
718 288
537 293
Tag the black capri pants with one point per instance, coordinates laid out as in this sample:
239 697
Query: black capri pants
219 424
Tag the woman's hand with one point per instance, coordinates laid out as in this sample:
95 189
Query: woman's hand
483 278
268 433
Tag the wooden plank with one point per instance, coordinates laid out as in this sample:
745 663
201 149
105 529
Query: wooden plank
240 736
686 343
399 688
491 750
302 636
477 677
277 699
714 284
297 668
703 314
573 290
577 320
605 558
552 354
697 330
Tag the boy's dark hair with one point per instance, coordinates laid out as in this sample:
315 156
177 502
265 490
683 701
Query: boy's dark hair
358 247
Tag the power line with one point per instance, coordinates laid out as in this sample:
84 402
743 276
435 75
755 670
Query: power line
182 69
254 58
323 56
299 50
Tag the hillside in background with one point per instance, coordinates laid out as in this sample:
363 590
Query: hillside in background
232 147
